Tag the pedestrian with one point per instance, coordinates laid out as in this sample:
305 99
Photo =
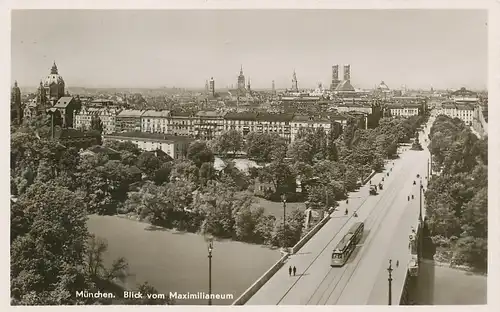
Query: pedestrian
290 271
294 270
397 263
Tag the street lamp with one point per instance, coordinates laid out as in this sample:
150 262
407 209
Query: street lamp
283 199
389 269
210 248
420 193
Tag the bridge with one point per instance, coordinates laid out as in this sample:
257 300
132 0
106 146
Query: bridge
392 231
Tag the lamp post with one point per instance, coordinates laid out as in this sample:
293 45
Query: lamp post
283 199
210 248
420 193
389 269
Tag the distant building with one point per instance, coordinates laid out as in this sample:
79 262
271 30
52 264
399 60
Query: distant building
311 122
182 123
208 124
174 146
67 106
53 86
83 117
16 109
464 96
295 83
129 120
464 112
347 72
241 80
155 121
335 77
404 110
212 86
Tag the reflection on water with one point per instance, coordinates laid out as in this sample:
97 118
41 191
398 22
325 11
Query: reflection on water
178 262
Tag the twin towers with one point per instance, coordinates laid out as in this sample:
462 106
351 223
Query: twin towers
335 75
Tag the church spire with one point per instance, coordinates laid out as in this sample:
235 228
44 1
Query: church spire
15 83
241 70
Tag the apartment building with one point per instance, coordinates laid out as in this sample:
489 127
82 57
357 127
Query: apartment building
83 117
129 120
208 124
155 121
175 146
182 123
403 110
464 112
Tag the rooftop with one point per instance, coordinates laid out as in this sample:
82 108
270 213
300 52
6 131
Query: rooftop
156 113
131 113
150 136
241 116
208 114
274 117
63 101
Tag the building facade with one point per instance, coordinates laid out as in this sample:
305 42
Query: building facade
129 120
403 110
175 146
182 123
208 124
155 121
83 118
464 112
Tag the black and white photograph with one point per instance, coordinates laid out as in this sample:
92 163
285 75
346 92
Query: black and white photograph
249 156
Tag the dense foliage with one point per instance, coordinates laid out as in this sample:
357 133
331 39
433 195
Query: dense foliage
52 253
457 196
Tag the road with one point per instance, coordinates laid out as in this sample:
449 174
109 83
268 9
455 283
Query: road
388 219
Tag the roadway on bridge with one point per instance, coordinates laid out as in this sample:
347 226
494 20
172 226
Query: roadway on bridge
388 219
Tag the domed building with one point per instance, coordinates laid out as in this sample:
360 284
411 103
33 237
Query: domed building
53 85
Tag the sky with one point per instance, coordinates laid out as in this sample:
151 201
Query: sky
184 48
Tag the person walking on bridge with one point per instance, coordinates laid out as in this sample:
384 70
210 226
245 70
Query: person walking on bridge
290 271
294 270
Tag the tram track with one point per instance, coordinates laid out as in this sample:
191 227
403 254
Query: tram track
374 218
341 229
352 268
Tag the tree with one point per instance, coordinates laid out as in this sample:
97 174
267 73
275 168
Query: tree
125 146
301 150
265 147
229 141
148 163
206 172
162 175
48 246
199 153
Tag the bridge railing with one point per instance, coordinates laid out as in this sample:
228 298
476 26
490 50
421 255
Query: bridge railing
247 294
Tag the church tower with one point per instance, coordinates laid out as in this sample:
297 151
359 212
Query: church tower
241 80
248 85
295 85
273 90
16 112
41 100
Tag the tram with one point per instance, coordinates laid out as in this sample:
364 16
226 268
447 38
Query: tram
347 244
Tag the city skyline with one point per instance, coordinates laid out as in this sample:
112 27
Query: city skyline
417 48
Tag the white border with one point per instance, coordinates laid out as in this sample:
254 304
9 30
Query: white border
494 111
